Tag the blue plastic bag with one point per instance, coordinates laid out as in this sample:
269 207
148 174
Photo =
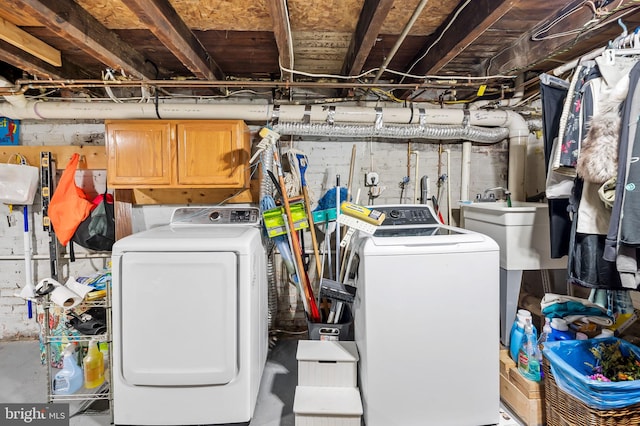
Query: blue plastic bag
571 361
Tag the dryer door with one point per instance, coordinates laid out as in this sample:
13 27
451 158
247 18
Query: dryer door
179 318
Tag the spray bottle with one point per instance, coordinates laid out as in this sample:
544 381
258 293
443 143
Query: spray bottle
528 356
93 364
69 379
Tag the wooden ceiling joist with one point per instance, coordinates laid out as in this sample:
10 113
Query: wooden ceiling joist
457 33
163 21
369 25
25 41
526 52
280 19
70 21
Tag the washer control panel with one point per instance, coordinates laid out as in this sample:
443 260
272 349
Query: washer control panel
407 215
216 216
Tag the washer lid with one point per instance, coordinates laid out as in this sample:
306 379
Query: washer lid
416 231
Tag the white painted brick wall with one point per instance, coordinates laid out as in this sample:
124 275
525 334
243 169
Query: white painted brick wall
14 321
326 159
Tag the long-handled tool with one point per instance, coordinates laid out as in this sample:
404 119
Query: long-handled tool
302 165
313 313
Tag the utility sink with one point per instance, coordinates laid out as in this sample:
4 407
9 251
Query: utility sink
521 231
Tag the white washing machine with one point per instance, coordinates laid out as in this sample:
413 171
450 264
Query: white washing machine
426 319
190 319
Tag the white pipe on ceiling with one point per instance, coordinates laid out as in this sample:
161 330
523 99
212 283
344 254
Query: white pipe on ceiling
403 35
18 107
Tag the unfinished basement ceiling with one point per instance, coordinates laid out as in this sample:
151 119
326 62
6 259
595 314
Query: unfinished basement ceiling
447 51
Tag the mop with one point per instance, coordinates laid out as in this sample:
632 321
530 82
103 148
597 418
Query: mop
328 202
313 313
299 162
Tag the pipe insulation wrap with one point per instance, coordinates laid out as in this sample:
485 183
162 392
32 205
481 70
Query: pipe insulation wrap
436 132
18 107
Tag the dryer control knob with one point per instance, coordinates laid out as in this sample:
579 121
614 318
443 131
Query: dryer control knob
394 214
214 216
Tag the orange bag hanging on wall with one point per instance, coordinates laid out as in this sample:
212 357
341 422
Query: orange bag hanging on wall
69 205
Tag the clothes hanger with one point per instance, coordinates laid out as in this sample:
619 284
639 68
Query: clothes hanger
609 51
624 45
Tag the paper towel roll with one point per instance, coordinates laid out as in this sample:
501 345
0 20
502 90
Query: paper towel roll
65 298
78 288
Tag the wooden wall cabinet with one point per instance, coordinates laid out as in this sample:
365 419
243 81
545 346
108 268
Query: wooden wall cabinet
177 153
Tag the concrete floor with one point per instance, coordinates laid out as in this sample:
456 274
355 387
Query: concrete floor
23 380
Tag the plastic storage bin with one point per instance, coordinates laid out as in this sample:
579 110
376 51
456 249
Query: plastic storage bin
571 362
322 363
325 331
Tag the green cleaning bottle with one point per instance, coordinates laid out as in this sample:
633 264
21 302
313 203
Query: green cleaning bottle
93 364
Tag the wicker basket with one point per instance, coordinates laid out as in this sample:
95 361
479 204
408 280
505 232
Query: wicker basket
565 410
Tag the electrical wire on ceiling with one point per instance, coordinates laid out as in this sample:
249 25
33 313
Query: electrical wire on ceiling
546 27
388 95
167 96
228 95
598 13
455 16
424 77
289 34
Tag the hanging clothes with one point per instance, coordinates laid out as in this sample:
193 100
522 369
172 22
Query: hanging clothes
628 254
596 166
570 142
590 219
628 131
630 220
586 265
553 94
597 160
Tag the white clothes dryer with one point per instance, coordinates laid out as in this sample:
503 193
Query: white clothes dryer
426 320
190 319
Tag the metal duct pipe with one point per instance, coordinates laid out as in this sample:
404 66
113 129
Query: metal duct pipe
267 188
397 131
